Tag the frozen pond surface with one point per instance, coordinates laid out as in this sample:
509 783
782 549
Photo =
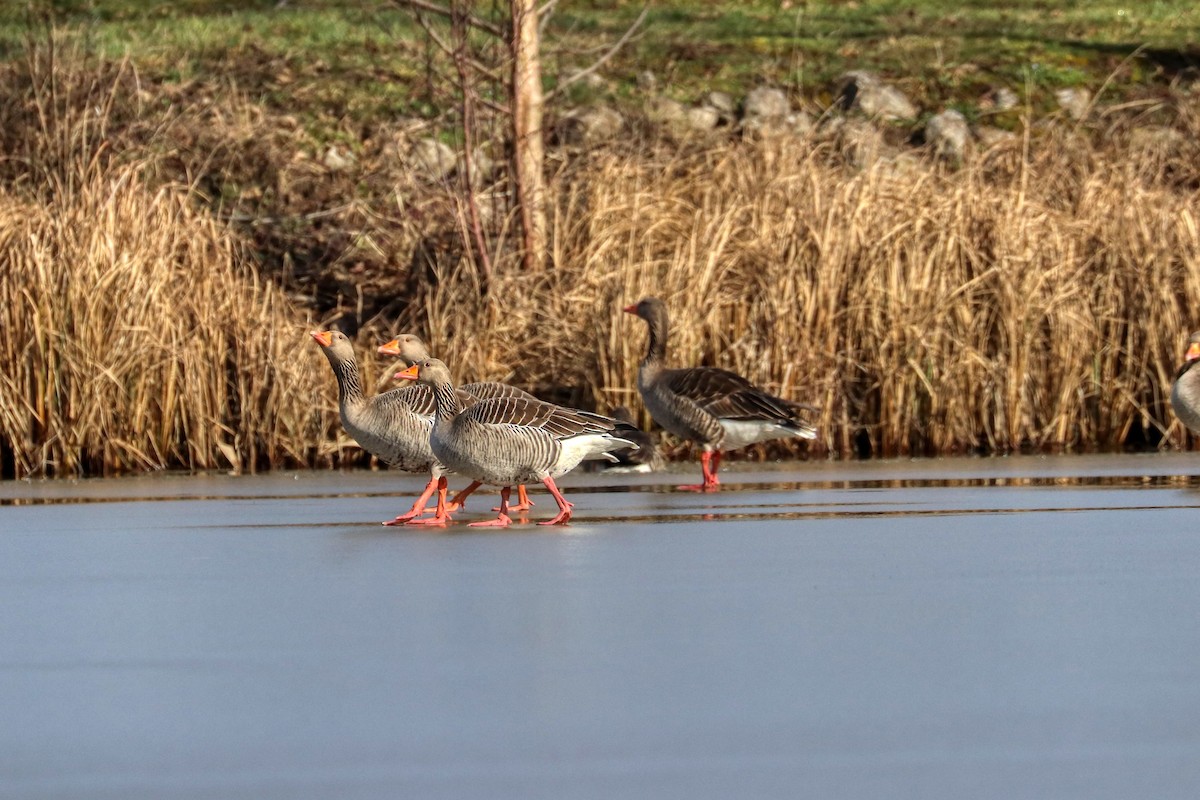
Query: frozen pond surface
1006 628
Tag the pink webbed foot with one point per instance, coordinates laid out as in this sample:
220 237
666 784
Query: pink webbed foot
502 521
403 518
564 508
441 516
699 487
436 519
418 506
564 516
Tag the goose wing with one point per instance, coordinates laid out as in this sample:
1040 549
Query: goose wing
416 399
488 390
521 412
727 395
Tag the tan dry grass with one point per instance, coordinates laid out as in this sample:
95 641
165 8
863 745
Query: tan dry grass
134 340
1030 299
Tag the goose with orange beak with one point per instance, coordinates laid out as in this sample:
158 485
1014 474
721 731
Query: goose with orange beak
507 441
410 349
393 426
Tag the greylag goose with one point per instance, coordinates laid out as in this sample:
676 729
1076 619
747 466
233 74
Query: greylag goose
409 348
1185 392
718 409
510 440
393 426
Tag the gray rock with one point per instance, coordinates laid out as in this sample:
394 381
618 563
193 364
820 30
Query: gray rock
1075 101
902 166
1000 98
766 104
703 118
863 91
584 126
948 134
723 102
679 120
432 159
665 111
337 160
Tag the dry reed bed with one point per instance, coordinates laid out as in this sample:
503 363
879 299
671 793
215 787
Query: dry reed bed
134 339
1034 298
1037 296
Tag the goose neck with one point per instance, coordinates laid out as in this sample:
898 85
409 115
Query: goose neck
656 342
445 397
350 389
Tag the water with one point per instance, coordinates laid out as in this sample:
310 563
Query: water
1001 628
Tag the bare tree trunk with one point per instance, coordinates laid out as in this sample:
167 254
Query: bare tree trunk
529 156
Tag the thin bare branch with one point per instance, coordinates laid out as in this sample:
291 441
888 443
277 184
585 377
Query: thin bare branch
445 47
544 14
434 8
583 73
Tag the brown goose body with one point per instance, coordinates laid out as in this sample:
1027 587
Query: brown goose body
715 408
1185 390
509 440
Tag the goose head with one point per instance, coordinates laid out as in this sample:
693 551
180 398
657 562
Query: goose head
407 347
1193 351
429 371
648 308
335 344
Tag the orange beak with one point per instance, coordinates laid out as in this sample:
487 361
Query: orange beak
409 374
630 309
1193 351
324 338
392 348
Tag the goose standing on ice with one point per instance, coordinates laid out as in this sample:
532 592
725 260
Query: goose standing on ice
1185 392
409 348
393 426
718 409
510 440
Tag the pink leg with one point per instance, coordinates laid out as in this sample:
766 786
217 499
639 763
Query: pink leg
523 501
441 517
418 507
460 499
713 481
564 508
708 465
501 521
